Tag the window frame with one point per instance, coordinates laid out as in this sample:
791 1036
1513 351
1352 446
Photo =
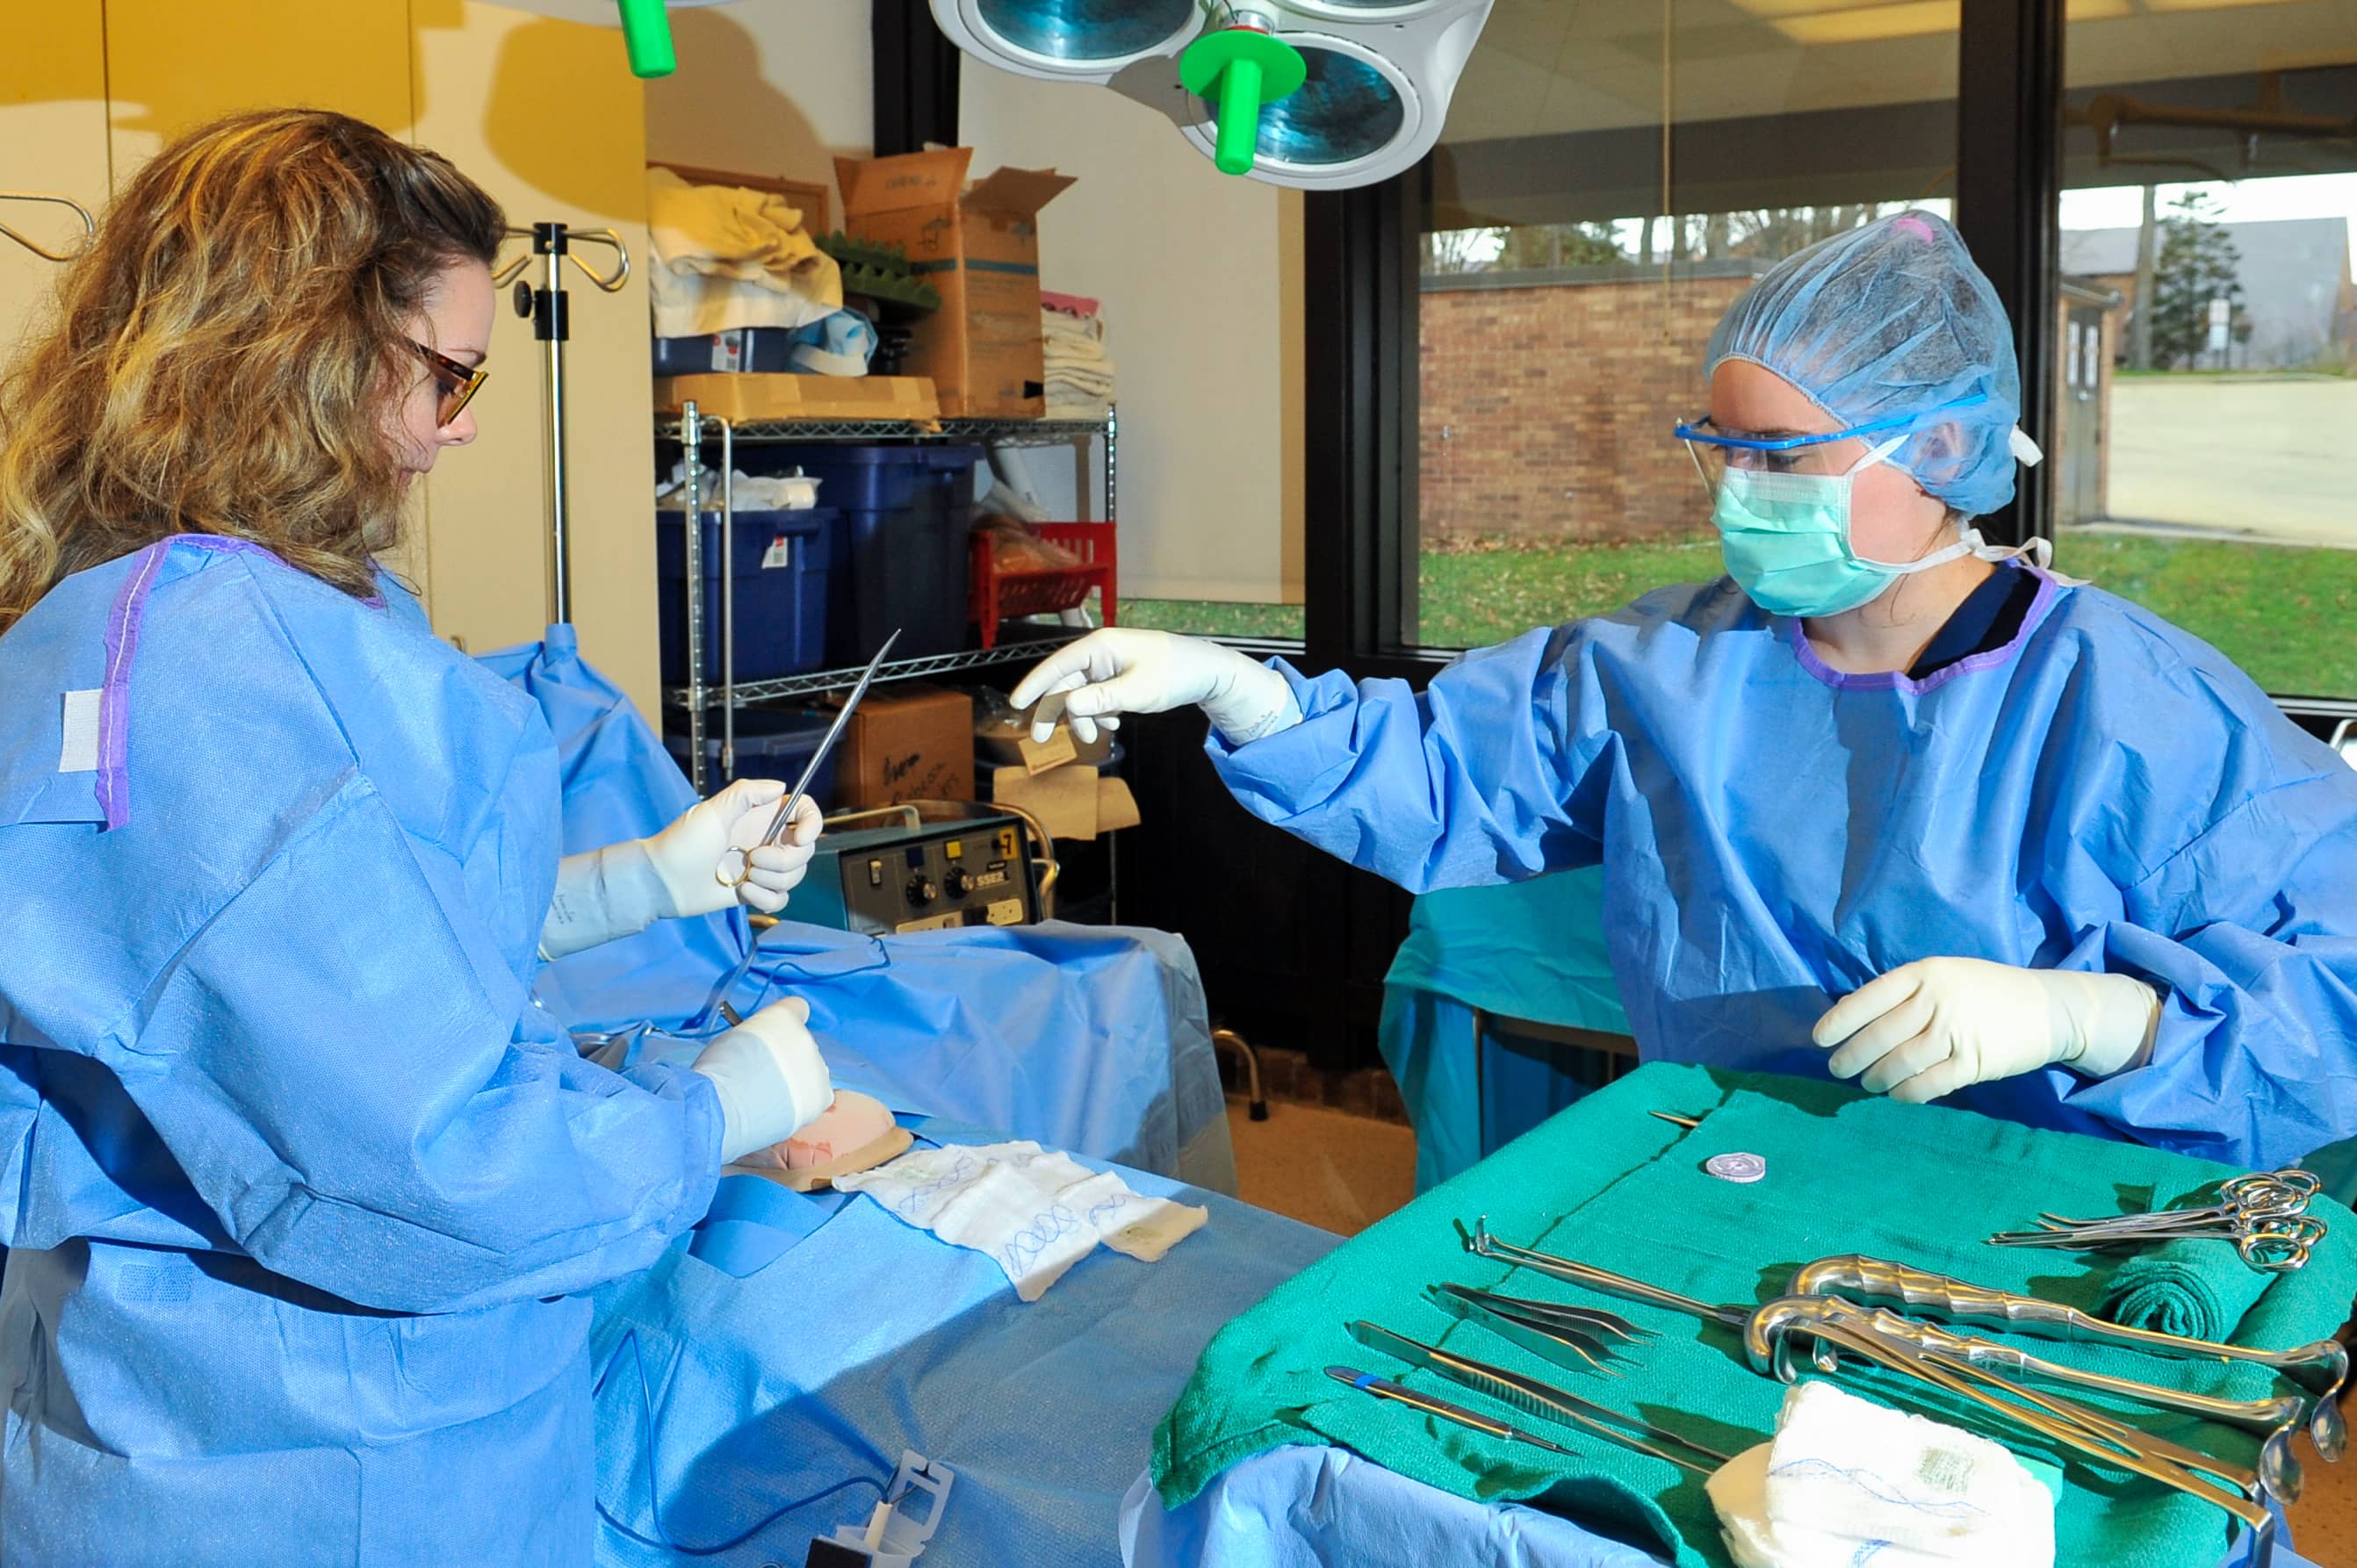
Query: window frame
1361 532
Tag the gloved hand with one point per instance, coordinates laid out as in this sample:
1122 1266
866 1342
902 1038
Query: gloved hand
623 888
772 1081
687 856
1124 671
1929 1029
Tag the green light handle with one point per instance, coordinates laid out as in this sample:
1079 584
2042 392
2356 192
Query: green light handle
1239 87
1244 70
646 33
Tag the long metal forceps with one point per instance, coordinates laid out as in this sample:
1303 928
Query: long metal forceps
2320 1368
737 866
1830 1319
736 875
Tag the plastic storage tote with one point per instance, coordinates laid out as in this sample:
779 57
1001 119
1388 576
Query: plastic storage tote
782 569
899 559
770 744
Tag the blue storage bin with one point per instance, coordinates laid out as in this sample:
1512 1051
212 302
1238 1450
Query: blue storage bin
758 349
781 609
899 557
770 744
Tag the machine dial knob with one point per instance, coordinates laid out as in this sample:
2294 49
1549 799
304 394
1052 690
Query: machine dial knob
921 891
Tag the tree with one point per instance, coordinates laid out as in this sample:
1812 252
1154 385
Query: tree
1769 233
1542 246
1453 251
2197 263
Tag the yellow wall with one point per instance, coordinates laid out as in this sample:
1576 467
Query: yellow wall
546 114
52 138
543 112
776 88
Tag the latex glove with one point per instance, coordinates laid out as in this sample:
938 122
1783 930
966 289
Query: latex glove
1124 671
1929 1029
623 888
771 1079
687 856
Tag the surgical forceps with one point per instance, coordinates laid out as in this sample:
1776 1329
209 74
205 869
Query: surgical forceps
1570 1336
1832 1321
2317 1370
736 875
1533 1397
1863 1281
737 866
2265 1216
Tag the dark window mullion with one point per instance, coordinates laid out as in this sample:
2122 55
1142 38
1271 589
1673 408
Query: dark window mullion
2009 177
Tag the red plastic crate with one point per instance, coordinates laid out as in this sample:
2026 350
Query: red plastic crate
1010 596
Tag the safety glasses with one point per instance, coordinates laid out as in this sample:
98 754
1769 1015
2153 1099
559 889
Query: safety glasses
1715 450
459 384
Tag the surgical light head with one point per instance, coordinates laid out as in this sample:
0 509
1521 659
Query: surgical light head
1374 84
1891 327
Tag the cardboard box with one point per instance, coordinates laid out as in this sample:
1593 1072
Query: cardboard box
1073 801
980 247
740 396
907 743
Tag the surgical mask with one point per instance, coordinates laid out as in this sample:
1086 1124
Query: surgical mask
1786 539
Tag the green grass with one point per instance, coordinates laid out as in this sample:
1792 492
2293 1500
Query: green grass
1210 617
2287 616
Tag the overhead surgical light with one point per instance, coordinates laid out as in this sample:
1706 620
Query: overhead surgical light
1375 76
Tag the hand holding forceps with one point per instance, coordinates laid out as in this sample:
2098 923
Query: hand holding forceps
737 866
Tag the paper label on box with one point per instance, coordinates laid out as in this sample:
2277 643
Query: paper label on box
1057 750
781 553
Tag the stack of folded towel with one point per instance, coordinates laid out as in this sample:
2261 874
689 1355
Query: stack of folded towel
1079 372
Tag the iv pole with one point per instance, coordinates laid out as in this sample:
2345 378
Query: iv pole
89 224
547 308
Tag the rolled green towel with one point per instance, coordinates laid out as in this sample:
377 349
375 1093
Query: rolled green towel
2199 1289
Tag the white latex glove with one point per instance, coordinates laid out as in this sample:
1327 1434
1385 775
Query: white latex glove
689 854
771 1079
623 888
1929 1029
1124 671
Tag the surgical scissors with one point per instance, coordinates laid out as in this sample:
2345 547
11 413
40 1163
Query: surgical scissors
2265 1216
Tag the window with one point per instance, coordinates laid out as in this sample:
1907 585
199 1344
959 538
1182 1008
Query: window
2206 387
1604 190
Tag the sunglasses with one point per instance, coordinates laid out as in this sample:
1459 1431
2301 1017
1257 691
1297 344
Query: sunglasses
459 382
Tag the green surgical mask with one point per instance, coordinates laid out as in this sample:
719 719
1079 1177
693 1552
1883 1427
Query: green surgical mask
1786 539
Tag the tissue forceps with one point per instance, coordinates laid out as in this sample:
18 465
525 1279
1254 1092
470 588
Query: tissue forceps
737 866
1383 1388
1534 1398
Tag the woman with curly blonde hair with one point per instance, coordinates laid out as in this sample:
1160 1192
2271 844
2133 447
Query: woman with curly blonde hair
301 1189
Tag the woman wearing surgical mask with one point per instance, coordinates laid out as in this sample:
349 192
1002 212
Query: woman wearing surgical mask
1883 801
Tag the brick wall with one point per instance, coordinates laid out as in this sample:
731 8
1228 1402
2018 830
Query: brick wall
1548 406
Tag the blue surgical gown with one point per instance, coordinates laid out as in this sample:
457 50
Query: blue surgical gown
2103 792
302 1190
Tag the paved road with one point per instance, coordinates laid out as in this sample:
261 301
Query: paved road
2261 458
